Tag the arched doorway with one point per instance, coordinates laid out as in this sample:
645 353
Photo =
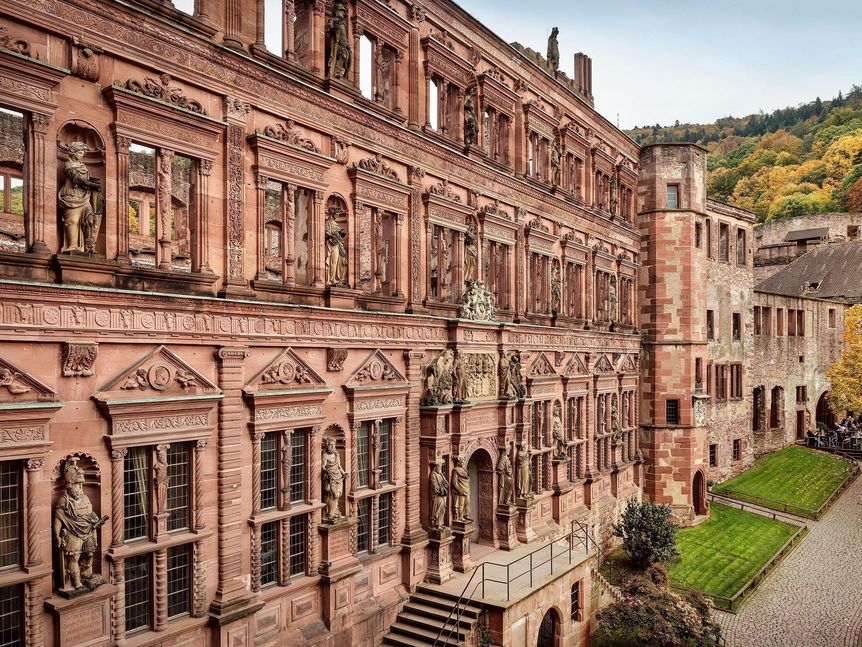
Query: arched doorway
698 488
824 412
481 471
549 630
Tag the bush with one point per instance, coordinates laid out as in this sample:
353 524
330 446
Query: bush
647 532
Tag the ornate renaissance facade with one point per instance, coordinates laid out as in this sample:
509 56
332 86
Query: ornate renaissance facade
304 303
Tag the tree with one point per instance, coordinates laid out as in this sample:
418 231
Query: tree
652 614
647 532
845 376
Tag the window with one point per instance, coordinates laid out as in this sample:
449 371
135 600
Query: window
698 373
737 446
673 196
12 237
698 235
723 242
852 232
791 323
671 408
179 581
800 323
433 105
10 514
709 379
273 26
366 60
708 238
11 616
737 326
710 325
831 317
269 471
298 465
298 543
363 527
269 552
779 322
136 493
721 382
362 463
801 394
178 498
766 324
576 601
757 321
383 518
713 455
740 247
736 381
384 458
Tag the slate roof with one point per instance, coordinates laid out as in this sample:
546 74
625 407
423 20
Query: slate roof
806 234
835 268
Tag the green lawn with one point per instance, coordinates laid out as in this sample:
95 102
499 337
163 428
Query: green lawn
799 478
724 552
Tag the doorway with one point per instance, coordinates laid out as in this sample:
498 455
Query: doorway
548 630
824 412
481 471
698 487
800 425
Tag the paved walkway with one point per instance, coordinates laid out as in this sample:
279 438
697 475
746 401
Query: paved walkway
814 597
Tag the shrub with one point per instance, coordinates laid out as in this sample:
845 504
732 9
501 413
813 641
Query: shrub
647 532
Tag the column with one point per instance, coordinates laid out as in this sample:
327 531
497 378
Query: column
233 23
418 271
427 94
289 243
200 447
37 191
287 30
414 78
163 208
34 469
123 144
458 267
117 516
260 184
398 255
318 51
458 115
231 589
237 115
285 462
118 607
314 467
161 597
199 608
284 552
201 237
396 82
259 25
315 251
413 531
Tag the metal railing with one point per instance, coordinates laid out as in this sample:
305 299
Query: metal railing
572 538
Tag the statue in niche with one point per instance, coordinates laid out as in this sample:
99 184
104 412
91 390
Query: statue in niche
333 480
615 198
511 384
445 264
336 253
384 67
525 478
460 386
382 251
160 477
615 420
79 203
555 164
471 254
505 481
439 380
471 121
75 525
556 289
554 50
340 54
557 431
439 489
461 491
612 298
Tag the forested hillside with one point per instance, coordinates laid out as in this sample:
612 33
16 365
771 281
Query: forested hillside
790 162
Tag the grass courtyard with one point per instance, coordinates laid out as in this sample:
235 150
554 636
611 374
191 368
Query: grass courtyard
724 552
796 479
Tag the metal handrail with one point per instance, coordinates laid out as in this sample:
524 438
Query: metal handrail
464 597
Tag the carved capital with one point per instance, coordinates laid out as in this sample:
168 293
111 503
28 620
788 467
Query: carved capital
206 167
200 445
119 454
236 108
316 429
232 355
35 464
40 121
123 143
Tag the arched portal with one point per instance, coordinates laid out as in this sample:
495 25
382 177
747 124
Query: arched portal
698 488
481 471
824 412
549 630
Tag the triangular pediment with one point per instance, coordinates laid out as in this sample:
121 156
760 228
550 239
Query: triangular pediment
286 371
376 370
16 385
603 365
160 373
628 364
576 366
542 366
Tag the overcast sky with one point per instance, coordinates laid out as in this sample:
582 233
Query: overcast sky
655 61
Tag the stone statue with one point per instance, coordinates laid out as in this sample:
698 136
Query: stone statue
439 379
525 478
75 526
555 164
615 420
461 491
554 50
77 199
612 298
333 480
459 393
336 253
340 54
439 489
556 289
383 62
615 198
471 121
471 255
505 482
557 430
477 303
511 385
160 477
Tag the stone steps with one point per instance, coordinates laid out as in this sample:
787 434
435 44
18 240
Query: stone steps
427 612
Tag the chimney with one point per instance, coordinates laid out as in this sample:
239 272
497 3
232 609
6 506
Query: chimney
584 74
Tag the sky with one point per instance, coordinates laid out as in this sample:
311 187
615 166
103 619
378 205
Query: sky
656 61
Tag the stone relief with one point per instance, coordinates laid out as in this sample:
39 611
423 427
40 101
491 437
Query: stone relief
333 480
461 491
13 43
80 203
439 490
161 89
376 368
378 165
9 379
335 358
505 481
285 372
542 366
475 377
477 303
74 529
340 53
78 359
511 382
336 252
85 61
553 54
287 132
439 380
339 149
444 190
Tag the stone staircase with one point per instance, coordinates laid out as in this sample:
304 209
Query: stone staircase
426 612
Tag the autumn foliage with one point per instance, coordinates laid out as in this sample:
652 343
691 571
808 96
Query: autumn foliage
845 376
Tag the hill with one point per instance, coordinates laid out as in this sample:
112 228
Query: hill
790 162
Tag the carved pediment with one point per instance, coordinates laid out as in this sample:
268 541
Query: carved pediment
158 374
576 366
542 366
17 385
376 370
628 364
289 133
286 371
603 365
